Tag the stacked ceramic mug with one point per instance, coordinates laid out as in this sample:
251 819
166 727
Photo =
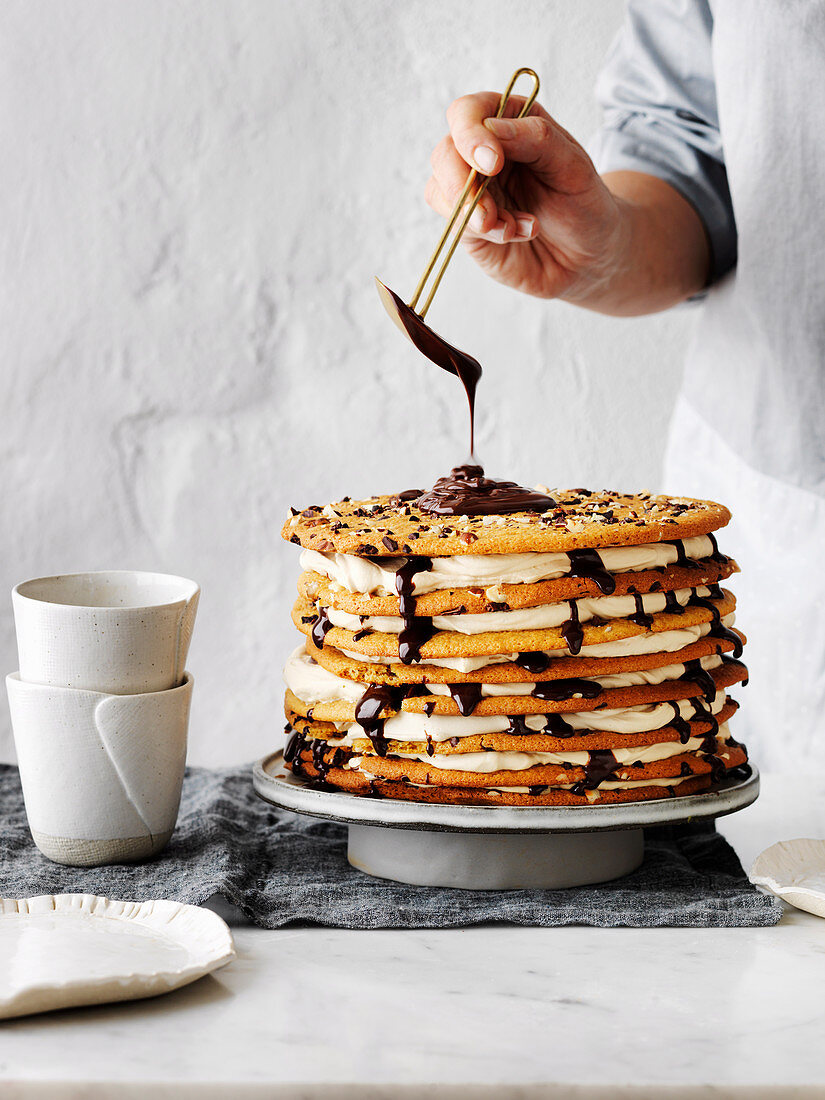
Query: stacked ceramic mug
100 711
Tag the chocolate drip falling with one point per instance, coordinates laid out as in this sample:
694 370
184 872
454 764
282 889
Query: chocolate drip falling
556 691
417 630
601 765
572 631
466 697
640 617
444 355
588 563
701 677
533 662
320 628
467 492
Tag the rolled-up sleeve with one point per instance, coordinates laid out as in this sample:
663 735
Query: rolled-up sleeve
658 93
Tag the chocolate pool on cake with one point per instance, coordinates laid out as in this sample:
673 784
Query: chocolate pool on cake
488 644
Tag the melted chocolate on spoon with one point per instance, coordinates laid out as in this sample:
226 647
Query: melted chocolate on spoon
438 351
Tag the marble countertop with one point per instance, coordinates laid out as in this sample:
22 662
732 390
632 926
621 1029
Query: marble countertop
488 1011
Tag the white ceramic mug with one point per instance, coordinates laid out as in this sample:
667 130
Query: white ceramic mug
101 774
120 632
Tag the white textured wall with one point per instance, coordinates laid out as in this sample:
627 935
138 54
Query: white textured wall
195 198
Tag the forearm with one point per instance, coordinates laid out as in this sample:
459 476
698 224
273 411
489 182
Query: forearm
660 256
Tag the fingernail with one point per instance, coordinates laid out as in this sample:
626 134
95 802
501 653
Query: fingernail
524 226
497 234
477 220
485 158
501 127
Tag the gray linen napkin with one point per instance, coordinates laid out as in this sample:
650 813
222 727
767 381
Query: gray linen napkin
280 868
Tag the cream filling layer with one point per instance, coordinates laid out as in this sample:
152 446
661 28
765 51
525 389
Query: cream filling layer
369 578
484 763
665 641
411 726
314 684
543 617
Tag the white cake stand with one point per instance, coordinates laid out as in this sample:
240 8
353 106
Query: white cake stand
494 847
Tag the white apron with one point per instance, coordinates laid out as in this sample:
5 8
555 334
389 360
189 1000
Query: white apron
777 535
749 429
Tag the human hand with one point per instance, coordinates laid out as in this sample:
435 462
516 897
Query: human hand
547 224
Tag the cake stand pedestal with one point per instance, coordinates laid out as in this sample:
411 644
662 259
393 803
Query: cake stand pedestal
494 847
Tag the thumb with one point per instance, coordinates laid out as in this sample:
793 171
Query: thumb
539 142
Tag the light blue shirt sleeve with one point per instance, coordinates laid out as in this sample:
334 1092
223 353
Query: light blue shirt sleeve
658 92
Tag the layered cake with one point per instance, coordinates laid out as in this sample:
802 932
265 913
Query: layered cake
488 644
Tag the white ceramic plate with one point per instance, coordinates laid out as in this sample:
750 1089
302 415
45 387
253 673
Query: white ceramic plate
275 784
794 870
61 950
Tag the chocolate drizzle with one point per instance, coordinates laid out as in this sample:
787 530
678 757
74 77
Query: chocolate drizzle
294 746
719 630
572 631
701 677
672 605
465 696
681 556
556 726
680 724
368 710
298 743
701 713
467 492
601 765
417 630
534 662
640 617
556 691
708 603
320 628
716 555
710 745
588 563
